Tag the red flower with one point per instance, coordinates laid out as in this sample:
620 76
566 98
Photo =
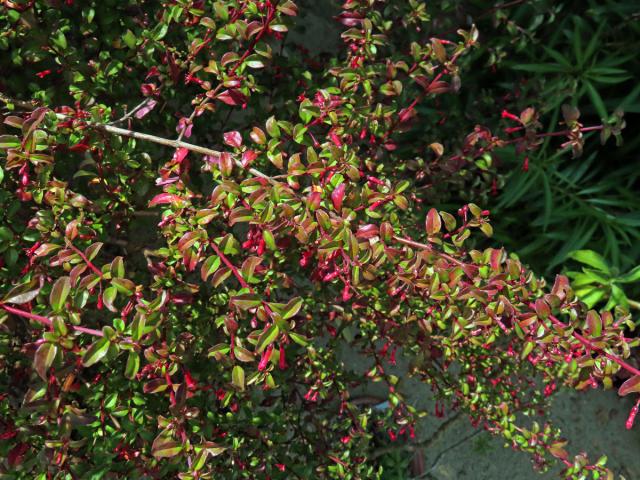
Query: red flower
264 361
282 363
337 196
43 73
511 116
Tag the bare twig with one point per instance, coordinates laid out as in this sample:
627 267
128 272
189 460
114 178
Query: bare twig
131 112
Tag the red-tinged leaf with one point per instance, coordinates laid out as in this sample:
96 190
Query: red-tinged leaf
323 219
188 239
108 297
133 365
226 163
289 8
593 324
337 196
240 215
433 222
292 308
16 454
124 286
180 154
249 266
631 385
209 267
92 250
9 141
243 354
44 357
246 301
214 449
237 377
258 136
13 121
439 50
267 338
272 127
149 105
437 148
117 267
23 293
96 352
367 231
248 156
164 199
233 139
449 221
557 451
164 447
232 97
156 385
59 293
422 81
220 276
45 249
229 57
542 309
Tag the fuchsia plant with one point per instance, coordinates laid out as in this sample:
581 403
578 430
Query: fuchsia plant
216 356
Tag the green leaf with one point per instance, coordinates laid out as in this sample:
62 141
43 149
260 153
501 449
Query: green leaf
299 339
596 99
43 359
292 308
593 324
267 338
117 267
272 127
528 348
96 352
632 275
108 297
137 326
269 240
129 39
591 258
165 447
133 365
59 293
237 377
124 286
209 267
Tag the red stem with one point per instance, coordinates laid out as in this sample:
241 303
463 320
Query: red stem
87 261
587 343
230 266
46 321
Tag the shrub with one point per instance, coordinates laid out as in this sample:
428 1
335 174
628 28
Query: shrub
171 309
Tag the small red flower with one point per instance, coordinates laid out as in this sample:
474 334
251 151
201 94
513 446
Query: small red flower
510 116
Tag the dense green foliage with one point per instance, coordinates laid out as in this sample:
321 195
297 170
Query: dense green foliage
199 216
